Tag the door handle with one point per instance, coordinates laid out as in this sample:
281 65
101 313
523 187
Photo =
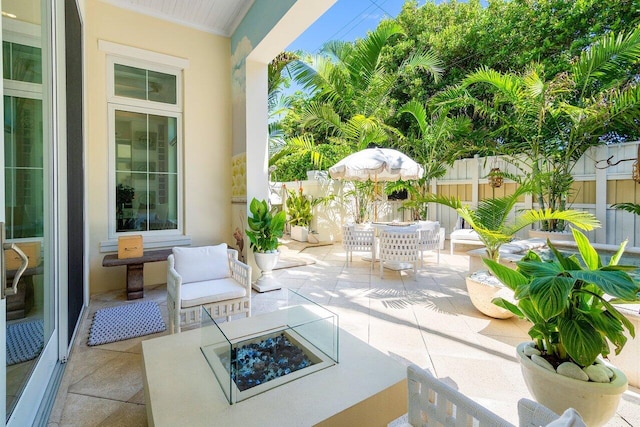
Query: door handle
24 262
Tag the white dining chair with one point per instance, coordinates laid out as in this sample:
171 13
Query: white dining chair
355 239
399 245
429 239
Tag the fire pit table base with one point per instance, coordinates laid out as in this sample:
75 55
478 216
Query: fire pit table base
367 387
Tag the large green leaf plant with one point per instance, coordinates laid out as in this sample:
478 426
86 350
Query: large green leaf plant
569 300
265 226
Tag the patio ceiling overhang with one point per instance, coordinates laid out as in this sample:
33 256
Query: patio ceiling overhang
220 17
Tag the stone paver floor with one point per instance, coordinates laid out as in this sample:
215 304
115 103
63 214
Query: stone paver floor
427 320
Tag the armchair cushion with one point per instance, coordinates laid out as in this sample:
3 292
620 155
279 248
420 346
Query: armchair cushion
202 263
209 291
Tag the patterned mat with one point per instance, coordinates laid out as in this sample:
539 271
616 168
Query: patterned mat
24 341
126 321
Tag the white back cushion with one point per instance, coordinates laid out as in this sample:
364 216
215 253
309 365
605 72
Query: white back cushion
202 263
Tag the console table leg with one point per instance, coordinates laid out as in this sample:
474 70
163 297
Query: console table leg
135 281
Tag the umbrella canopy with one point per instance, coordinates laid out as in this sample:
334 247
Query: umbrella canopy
376 164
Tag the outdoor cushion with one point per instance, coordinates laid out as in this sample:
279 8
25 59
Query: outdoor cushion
208 291
464 234
202 263
521 246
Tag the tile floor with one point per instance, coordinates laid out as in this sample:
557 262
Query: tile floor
429 321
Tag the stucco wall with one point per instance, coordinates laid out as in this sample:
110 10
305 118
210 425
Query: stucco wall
206 130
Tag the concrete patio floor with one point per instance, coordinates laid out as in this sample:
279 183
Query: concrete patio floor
428 321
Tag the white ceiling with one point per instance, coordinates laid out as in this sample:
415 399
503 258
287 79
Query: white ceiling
214 16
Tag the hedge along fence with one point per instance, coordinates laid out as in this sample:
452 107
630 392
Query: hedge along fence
594 190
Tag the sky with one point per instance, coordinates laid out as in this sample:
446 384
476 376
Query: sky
346 20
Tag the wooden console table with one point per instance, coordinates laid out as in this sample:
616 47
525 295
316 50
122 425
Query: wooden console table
135 269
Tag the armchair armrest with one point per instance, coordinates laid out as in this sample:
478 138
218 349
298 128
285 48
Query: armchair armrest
240 271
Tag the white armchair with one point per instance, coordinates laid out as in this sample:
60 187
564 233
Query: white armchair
209 277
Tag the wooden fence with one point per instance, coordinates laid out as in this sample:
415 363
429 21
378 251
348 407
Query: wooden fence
596 187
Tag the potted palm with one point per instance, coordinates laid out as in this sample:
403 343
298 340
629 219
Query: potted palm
265 227
569 301
490 221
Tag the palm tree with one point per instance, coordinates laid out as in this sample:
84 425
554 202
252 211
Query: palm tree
546 125
351 87
432 146
490 218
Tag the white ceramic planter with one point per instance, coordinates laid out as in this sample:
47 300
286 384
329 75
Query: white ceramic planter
482 293
596 402
564 236
299 233
266 262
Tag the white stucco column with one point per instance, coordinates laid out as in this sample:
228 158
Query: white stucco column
257 131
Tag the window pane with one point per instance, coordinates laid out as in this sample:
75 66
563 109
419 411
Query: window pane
6 60
162 144
162 87
130 82
26 63
24 209
125 195
162 203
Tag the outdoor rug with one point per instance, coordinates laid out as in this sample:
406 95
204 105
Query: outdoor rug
24 341
126 321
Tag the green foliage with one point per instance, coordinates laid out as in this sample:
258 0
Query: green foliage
265 226
633 208
490 218
294 166
566 299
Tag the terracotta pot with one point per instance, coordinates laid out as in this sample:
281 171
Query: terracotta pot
596 402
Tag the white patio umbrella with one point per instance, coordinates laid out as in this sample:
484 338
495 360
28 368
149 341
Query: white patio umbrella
376 164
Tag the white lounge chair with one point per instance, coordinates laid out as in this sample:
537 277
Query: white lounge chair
463 235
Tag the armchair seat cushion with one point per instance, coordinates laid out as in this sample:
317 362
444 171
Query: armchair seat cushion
464 234
210 291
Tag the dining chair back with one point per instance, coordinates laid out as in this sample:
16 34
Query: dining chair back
356 239
399 245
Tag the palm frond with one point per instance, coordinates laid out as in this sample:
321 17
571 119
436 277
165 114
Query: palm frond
607 58
633 208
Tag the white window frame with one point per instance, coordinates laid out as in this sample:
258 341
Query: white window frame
117 54
113 233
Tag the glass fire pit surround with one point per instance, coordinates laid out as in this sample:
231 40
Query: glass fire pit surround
252 355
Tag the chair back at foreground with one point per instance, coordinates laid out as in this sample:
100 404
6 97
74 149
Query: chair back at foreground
399 245
358 240
209 277
432 403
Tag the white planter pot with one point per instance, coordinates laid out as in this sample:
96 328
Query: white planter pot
565 236
299 233
482 292
596 402
266 262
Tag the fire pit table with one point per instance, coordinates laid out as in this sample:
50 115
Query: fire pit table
192 378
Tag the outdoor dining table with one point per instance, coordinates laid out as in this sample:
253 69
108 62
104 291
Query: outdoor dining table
379 227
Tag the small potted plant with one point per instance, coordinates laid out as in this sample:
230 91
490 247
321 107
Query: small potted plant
265 227
569 301
299 211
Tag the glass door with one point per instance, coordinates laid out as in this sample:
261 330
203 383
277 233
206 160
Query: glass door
31 342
